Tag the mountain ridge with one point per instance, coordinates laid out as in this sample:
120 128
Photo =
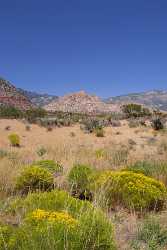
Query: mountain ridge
154 98
10 96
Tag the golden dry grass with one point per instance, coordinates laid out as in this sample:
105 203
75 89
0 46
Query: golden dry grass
82 147
120 146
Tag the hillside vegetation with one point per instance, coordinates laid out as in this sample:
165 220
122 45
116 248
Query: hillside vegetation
79 182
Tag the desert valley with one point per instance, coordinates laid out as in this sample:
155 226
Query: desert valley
80 172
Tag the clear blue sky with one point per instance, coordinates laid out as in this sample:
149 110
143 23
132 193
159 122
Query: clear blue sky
105 47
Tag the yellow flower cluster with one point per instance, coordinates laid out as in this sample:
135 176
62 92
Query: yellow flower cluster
131 189
59 217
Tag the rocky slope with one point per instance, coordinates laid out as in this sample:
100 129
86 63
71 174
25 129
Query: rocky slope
37 99
154 99
81 102
9 95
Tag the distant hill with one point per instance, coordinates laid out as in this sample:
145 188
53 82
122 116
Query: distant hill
37 99
155 99
81 102
10 96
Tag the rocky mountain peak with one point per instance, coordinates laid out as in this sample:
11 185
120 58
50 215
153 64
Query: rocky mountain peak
10 96
81 102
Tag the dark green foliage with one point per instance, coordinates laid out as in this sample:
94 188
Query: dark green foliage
10 112
157 124
79 180
135 110
32 114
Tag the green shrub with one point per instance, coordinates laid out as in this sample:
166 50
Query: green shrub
135 110
90 125
5 234
34 178
151 234
157 170
50 165
143 167
79 180
41 151
157 124
131 190
55 220
99 132
32 114
3 153
10 112
14 140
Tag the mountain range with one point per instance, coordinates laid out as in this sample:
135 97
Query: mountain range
78 102
156 99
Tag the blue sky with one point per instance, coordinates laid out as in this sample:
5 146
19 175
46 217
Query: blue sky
105 47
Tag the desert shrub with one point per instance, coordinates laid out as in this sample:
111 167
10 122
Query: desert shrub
131 190
131 142
50 165
34 178
5 234
135 110
90 125
120 156
72 134
34 113
133 123
157 170
79 179
7 128
151 234
100 153
14 140
55 220
41 151
28 127
157 124
115 123
10 112
99 132
49 128
3 153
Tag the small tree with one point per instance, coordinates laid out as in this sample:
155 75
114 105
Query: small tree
133 110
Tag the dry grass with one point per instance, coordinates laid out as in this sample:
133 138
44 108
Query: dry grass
116 147
120 146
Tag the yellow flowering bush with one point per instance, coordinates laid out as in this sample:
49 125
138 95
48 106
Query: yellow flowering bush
34 178
55 217
55 220
132 190
14 140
